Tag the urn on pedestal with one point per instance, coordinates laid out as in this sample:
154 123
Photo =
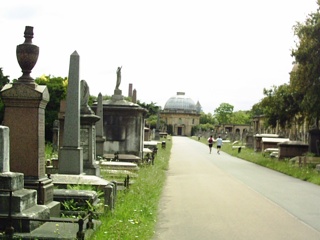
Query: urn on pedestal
27 56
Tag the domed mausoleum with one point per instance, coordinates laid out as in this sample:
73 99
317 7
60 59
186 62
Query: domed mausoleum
180 114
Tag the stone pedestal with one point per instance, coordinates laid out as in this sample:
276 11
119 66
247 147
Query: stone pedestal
25 116
21 204
88 143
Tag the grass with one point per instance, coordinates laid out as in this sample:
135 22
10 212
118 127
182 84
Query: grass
135 213
307 173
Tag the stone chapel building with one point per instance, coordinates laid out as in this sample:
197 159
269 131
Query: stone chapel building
180 114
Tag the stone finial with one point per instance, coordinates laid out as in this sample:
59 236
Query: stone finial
27 56
4 149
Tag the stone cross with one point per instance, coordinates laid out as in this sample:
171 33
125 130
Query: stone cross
4 149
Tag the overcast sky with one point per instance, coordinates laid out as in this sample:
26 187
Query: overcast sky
215 51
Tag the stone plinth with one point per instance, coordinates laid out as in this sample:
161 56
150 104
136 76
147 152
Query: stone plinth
25 116
11 181
63 180
88 143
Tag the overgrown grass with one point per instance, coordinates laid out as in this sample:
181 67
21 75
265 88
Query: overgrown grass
307 173
135 213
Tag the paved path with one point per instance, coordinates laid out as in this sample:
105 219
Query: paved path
211 196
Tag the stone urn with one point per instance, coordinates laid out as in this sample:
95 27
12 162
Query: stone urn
27 56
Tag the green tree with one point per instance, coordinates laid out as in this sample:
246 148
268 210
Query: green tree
279 105
223 113
241 117
207 118
152 114
3 81
305 77
57 87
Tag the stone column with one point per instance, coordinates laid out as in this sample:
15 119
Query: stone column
100 139
71 154
4 147
130 90
134 96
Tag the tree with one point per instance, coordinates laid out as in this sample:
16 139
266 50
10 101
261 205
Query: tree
241 117
152 114
3 81
207 118
304 79
279 105
57 87
223 113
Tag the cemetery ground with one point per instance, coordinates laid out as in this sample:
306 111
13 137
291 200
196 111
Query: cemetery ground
135 212
307 172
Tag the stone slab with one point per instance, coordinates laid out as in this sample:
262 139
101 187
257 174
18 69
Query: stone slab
123 157
58 230
69 179
79 196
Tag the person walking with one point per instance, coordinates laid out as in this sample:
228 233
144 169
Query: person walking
210 142
219 144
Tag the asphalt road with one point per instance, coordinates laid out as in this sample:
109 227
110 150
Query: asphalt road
211 196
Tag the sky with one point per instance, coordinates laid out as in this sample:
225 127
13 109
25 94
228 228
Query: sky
215 51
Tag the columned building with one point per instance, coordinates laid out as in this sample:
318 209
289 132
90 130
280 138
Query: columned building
180 114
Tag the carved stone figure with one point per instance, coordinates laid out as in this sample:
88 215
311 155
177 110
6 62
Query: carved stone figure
84 98
118 77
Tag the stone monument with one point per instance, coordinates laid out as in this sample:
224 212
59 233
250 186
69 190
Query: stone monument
71 154
25 103
88 132
123 123
15 201
100 139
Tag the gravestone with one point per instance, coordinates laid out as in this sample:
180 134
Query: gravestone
71 154
15 201
100 139
88 132
25 103
123 123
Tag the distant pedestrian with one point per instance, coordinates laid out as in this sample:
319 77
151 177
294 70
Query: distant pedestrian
219 144
210 142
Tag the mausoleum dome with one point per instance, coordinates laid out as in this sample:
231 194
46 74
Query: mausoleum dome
180 102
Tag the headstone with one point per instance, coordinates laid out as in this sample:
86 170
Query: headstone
100 139
71 154
15 201
55 136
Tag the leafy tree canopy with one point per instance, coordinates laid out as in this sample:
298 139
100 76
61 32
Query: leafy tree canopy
305 77
223 113
57 87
